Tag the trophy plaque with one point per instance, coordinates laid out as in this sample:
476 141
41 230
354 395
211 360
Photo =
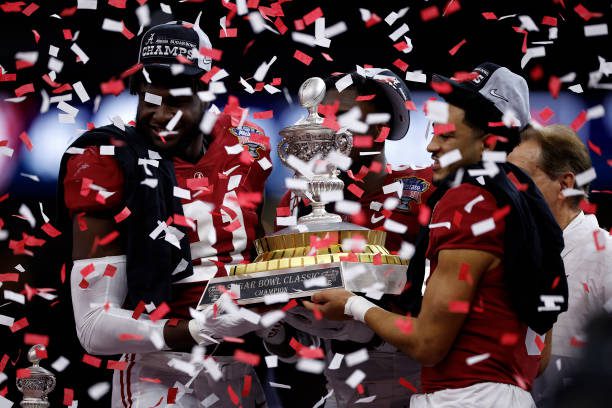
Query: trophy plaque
286 262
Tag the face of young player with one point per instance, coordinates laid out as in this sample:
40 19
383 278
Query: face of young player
465 138
152 119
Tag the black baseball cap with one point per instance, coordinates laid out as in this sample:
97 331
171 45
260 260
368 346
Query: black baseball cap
162 44
489 93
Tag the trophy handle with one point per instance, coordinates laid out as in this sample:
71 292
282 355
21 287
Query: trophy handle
281 149
344 142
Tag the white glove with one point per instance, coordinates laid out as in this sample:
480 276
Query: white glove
206 328
304 320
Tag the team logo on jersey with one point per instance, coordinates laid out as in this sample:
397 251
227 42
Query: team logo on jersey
251 137
413 187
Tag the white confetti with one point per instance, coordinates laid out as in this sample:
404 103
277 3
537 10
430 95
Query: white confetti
210 400
348 207
477 359
112 25
310 366
87 4
60 364
357 357
235 149
585 177
482 227
394 226
152 98
174 121
437 111
181 193
278 385
6 320
107 150
595 30
344 82
271 318
355 378
79 53
80 91
271 361
468 207
336 361
401 30
276 298
494 156
14 296
264 163
449 158
318 282
415 76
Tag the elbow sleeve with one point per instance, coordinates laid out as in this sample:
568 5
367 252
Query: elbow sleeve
102 326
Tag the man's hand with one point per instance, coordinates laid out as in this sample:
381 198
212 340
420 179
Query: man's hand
330 303
208 326
304 320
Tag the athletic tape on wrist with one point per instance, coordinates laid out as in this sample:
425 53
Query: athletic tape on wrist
357 307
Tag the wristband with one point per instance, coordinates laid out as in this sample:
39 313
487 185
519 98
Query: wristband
357 307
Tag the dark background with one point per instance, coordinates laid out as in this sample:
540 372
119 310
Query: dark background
111 53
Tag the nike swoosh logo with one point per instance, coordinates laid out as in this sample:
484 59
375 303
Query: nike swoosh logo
495 94
376 219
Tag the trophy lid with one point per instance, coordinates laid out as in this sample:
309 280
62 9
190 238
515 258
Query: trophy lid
311 94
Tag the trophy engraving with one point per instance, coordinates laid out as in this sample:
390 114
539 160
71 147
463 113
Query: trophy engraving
38 384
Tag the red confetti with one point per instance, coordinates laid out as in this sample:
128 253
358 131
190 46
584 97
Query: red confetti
12 7
9 277
587 207
401 65
454 50
407 384
116 365
303 58
68 396
362 141
108 238
32 339
451 7
441 88
404 324
598 246
430 13
50 230
554 86
576 342
546 113
264 114
67 34
247 358
229 33
32 7
122 215
92 361
586 14
313 16
443 128
508 339
24 373
19 324
458 306
594 148
549 21
24 89
280 26
488 15
579 121
355 190
373 20
117 3
160 312
110 270
140 307
382 136
465 275
290 305
113 86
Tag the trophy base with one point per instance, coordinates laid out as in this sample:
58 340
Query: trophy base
353 276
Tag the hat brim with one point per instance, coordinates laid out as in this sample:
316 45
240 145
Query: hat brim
188 70
479 110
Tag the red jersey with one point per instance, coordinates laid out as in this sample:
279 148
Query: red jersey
416 187
220 194
491 328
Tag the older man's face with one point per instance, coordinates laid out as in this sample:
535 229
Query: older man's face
527 156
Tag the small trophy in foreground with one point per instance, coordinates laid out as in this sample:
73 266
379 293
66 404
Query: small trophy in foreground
286 261
38 384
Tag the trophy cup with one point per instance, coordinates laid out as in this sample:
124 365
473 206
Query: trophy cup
38 385
286 262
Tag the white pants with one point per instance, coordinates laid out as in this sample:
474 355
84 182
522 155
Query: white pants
482 395
383 369
146 381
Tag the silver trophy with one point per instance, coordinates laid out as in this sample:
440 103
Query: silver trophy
38 385
286 261
308 140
